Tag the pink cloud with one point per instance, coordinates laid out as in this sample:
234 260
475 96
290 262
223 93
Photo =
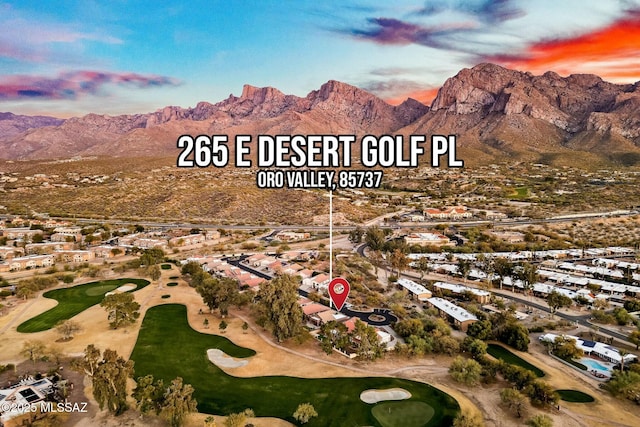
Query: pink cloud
72 84
391 31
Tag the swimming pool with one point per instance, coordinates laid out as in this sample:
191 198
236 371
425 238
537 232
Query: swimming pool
593 364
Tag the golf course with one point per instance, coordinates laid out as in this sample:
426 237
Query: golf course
167 347
501 353
74 300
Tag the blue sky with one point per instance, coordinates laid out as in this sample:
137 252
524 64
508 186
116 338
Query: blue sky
111 57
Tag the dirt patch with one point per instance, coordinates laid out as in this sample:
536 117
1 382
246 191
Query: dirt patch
375 396
197 420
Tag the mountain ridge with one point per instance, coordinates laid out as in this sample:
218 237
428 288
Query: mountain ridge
496 112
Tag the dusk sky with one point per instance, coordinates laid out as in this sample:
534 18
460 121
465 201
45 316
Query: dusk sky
68 58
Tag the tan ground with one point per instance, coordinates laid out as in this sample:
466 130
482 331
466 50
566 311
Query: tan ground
197 420
308 361
605 410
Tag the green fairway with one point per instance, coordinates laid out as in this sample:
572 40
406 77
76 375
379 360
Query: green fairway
499 352
100 290
73 301
575 396
519 193
403 414
167 347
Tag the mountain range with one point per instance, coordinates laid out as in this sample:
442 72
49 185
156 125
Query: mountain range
496 113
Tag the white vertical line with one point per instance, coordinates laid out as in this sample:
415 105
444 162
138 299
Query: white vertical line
330 234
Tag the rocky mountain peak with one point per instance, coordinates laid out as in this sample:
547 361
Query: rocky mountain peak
565 102
490 106
411 109
336 90
474 88
259 95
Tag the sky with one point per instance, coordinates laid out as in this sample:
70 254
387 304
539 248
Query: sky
70 58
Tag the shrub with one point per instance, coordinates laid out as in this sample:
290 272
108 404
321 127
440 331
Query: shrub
540 420
542 394
466 371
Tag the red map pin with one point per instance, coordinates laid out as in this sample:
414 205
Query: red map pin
339 290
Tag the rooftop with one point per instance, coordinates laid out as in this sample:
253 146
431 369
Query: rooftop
458 289
596 347
413 287
458 313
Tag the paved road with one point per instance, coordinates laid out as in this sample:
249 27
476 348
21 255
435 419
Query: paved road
581 320
237 261
430 224
387 316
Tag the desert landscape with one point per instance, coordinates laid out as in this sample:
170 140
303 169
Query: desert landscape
456 242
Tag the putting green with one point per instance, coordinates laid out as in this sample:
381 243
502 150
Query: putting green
73 301
575 396
167 347
502 353
403 414
100 290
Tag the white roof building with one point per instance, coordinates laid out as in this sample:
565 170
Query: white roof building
418 290
602 350
459 315
460 289
19 398
435 239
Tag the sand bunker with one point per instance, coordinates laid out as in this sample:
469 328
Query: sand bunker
375 396
121 289
220 358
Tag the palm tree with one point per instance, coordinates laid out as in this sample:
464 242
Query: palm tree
424 267
503 268
464 267
399 261
622 354
376 260
528 274
487 265
628 275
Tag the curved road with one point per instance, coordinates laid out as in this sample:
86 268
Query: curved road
387 315
581 320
